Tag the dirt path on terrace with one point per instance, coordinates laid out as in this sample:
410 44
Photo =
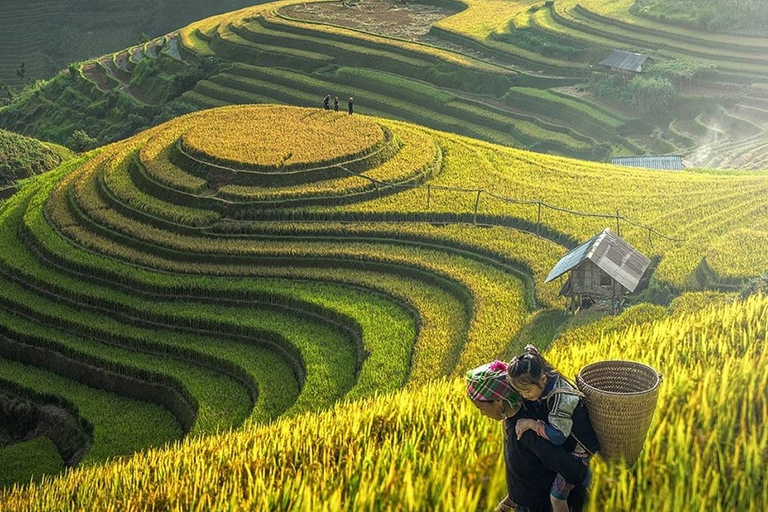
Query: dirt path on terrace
391 18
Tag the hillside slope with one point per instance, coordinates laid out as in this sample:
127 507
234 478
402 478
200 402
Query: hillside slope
22 157
46 35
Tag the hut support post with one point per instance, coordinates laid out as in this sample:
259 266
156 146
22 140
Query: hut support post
538 218
477 203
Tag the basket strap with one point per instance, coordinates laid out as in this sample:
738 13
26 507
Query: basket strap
570 392
583 445
562 390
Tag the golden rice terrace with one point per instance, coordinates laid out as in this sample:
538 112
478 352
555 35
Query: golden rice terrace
248 263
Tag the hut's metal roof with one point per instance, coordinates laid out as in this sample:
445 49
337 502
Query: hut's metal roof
622 59
572 259
612 254
666 162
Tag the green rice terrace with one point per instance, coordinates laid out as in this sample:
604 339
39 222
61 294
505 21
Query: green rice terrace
241 266
46 35
522 74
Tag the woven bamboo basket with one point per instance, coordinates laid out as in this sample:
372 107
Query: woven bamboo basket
621 398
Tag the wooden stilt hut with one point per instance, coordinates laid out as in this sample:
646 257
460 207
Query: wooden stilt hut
602 270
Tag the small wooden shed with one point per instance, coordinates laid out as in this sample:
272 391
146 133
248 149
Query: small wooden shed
604 269
662 162
628 63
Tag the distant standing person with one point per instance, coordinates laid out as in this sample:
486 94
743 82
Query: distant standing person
349 105
336 103
327 102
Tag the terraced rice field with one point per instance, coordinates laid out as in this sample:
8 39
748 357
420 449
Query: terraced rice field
270 306
48 35
401 450
246 263
316 52
520 74
282 59
734 59
131 270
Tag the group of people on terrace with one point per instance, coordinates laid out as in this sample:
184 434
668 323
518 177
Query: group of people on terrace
327 103
548 436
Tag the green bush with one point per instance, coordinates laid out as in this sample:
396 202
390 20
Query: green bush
539 43
610 87
656 293
652 93
22 157
681 71
80 141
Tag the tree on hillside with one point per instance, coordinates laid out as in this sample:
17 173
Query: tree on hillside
7 93
80 141
22 71
747 13
201 70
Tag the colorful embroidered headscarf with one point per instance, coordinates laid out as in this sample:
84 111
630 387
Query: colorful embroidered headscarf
488 383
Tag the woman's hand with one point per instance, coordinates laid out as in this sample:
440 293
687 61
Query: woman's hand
524 424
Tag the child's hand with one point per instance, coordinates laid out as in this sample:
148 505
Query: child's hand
524 424
514 410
